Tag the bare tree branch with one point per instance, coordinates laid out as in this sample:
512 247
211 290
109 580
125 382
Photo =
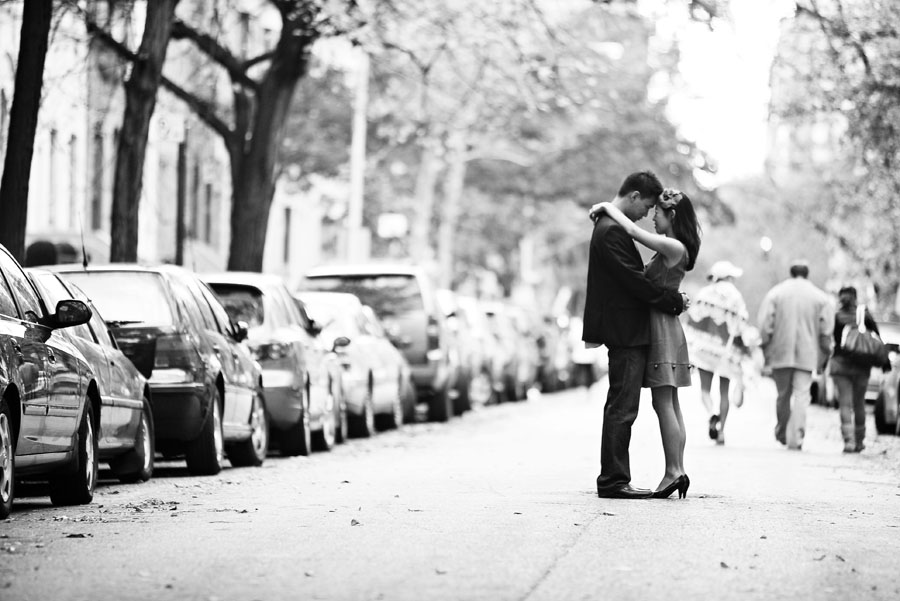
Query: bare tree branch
252 62
202 109
211 47
110 42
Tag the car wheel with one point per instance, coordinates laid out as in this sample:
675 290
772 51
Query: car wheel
324 439
462 402
363 426
394 419
440 408
137 464
881 425
297 440
77 488
342 432
481 389
206 454
410 400
252 452
7 461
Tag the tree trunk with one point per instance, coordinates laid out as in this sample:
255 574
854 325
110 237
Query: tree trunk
453 191
140 102
23 118
253 163
426 180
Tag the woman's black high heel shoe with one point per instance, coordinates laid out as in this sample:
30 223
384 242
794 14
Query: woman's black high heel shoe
680 484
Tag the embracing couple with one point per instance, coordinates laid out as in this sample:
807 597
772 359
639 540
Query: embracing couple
634 310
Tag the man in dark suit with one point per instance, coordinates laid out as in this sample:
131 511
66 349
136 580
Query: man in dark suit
617 314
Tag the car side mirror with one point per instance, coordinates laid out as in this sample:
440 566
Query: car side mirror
314 328
340 342
240 331
69 313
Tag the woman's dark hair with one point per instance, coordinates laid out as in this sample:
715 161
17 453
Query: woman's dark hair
644 183
686 228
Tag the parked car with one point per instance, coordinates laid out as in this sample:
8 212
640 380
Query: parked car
303 387
509 354
49 401
377 383
888 391
557 365
590 364
125 424
403 297
485 378
462 346
207 389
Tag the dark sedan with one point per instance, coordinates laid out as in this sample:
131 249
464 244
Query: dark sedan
126 439
207 390
49 404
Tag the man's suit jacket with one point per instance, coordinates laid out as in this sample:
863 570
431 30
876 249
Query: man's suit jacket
619 296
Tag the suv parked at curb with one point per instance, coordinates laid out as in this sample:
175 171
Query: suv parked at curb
403 298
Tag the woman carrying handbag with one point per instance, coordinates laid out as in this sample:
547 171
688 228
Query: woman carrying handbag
851 376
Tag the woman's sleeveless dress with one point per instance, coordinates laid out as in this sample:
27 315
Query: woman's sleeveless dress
668 363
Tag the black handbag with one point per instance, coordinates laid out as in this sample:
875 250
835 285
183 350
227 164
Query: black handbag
862 346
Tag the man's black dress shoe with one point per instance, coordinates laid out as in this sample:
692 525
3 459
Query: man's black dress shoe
625 491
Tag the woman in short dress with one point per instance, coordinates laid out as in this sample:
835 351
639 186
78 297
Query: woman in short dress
676 243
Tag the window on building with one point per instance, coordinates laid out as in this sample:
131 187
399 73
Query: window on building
97 180
207 213
194 229
287 234
51 177
4 115
73 181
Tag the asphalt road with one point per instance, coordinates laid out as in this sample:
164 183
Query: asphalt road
498 505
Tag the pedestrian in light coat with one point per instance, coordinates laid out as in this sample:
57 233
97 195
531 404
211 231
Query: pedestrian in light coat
796 322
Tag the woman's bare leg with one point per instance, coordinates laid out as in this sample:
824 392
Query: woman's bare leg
706 378
724 404
676 406
669 430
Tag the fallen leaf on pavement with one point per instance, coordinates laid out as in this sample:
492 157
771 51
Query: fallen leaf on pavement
78 535
840 558
440 571
354 523
608 513
819 558
723 564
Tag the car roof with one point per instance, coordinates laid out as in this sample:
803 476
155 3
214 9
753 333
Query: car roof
244 278
113 267
341 269
328 297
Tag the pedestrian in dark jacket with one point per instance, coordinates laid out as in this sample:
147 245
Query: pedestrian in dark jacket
850 379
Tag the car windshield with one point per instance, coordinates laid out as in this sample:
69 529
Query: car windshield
126 297
386 294
243 303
